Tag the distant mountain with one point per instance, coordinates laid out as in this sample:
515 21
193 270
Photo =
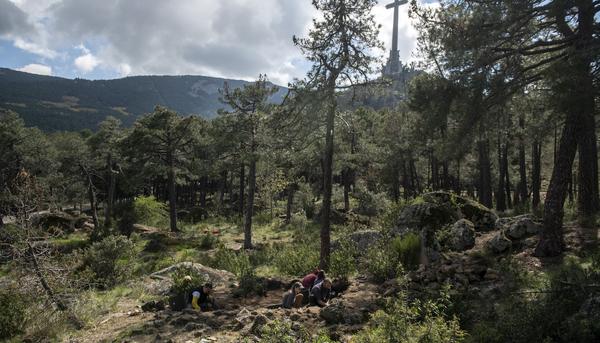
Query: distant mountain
58 104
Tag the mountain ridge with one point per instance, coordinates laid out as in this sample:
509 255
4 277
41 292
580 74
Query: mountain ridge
54 103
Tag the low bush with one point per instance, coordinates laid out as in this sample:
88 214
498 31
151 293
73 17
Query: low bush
296 259
149 211
208 241
381 262
13 314
278 331
408 250
185 279
407 322
342 263
249 284
232 261
107 262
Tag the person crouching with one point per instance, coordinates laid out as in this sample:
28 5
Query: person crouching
293 298
202 298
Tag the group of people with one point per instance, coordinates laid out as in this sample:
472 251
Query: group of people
315 290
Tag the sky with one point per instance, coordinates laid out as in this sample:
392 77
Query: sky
105 39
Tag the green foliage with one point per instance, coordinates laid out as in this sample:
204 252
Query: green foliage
12 314
388 259
249 284
554 314
342 263
408 250
296 259
369 203
404 322
278 331
106 262
208 241
185 279
149 211
382 262
227 259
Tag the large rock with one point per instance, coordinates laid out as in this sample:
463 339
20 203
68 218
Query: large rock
362 240
337 313
522 228
462 235
499 243
55 220
438 209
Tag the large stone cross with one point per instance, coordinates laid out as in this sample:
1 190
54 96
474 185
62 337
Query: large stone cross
394 53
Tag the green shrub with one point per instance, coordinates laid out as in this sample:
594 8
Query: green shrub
404 322
208 241
296 259
12 314
227 259
107 262
149 211
369 203
278 331
186 279
382 262
342 262
249 284
408 250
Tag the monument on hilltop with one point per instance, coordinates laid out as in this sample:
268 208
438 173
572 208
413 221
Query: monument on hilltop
394 68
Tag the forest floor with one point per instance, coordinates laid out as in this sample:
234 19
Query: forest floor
126 322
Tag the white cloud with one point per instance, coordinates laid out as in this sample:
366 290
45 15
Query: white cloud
235 38
87 62
34 48
39 69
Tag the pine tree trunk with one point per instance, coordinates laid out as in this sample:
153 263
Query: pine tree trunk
485 174
536 174
551 236
507 184
242 189
291 189
347 182
222 187
587 197
500 195
172 192
110 193
327 185
523 189
92 200
250 205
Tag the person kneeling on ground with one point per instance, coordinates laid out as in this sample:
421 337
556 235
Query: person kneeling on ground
293 298
309 280
319 294
202 299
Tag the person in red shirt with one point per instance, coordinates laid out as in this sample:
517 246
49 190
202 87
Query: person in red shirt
310 279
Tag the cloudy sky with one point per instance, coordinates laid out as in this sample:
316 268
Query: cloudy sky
113 38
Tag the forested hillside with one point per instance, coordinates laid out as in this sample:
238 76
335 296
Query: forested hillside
461 209
58 104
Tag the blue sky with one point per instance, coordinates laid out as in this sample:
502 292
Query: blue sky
114 38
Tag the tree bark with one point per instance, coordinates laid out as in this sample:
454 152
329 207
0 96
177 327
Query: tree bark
110 192
92 200
523 189
250 205
172 192
536 174
507 184
242 189
485 174
551 237
500 195
327 183
291 189
587 197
